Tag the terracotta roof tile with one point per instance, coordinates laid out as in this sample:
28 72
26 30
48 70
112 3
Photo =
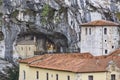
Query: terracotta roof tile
100 23
115 53
32 59
74 62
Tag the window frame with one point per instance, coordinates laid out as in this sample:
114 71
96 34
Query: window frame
105 31
56 76
24 75
89 31
68 77
37 74
90 77
113 77
47 76
29 48
106 51
86 31
22 48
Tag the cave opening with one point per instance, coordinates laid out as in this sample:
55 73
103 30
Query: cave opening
40 43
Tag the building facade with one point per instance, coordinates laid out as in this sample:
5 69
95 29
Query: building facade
70 67
100 37
26 48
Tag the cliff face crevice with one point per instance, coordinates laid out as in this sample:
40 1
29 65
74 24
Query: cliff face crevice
53 16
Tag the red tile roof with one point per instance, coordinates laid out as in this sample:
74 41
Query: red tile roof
80 55
115 53
100 23
74 62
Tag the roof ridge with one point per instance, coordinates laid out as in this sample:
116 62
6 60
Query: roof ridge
100 23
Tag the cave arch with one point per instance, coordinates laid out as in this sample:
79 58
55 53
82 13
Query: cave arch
46 43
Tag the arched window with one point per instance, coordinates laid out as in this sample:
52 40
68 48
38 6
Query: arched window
113 77
37 75
106 51
47 76
56 76
89 31
24 75
90 77
105 30
68 77
86 31
21 48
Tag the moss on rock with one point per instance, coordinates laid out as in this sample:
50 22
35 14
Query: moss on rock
118 15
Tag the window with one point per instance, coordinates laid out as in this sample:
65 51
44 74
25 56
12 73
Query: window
105 40
89 31
47 76
90 77
51 75
68 77
113 77
106 51
21 48
86 31
105 30
112 46
24 75
56 76
29 48
37 75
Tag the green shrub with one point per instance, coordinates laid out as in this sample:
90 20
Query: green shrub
15 13
47 14
13 73
118 15
1 2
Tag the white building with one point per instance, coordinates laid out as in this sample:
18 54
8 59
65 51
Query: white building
99 37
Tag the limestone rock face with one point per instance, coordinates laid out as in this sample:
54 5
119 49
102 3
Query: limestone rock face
4 69
51 17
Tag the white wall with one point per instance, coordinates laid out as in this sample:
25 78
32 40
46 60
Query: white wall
98 42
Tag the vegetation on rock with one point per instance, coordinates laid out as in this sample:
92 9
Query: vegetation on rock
118 15
14 13
10 73
47 14
1 2
13 73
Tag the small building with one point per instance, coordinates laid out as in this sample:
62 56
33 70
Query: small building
26 48
72 66
29 46
100 37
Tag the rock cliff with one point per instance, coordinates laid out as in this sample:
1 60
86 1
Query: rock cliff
58 20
